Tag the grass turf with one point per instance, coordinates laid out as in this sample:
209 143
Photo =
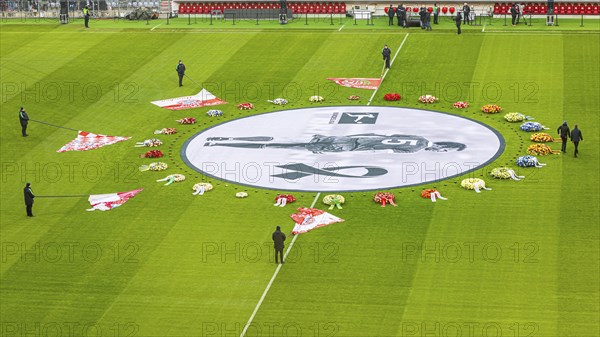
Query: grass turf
522 259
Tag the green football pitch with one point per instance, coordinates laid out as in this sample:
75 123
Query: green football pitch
520 260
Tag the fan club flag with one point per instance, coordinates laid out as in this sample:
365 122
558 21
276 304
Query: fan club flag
359 83
106 202
89 141
308 219
203 98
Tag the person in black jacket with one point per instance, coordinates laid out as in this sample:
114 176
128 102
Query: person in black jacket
564 133
391 15
278 239
427 20
24 119
28 194
458 20
387 53
422 12
401 13
180 71
466 12
576 137
513 14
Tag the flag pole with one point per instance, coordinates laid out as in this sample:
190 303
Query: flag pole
63 196
56 126
193 81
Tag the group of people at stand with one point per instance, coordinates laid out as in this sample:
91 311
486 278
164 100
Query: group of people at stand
402 15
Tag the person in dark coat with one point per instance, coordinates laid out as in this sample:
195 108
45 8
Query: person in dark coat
24 119
427 20
422 12
466 12
28 194
513 14
564 133
576 137
458 21
278 240
401 13
391 13
387 53
180 71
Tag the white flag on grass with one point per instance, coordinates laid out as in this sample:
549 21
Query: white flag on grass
201 99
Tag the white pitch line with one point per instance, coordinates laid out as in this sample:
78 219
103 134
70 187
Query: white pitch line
339 30
386 71
155 27
274 276
483 29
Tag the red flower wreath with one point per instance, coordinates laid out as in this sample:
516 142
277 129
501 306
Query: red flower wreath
187 120
392 97
245 106
384 198
427 193
152 154
461 105
290 198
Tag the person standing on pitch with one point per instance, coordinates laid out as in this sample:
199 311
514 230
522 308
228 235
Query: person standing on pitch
386 52
24 119
427 20
513 14
458 21
28 194
436 13
401 13
466 12
86 16
576 137
564 133
278 240
390 14
180 71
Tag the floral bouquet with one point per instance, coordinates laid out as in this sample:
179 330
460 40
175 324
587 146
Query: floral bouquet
542 138
505 173
334 200
152 142
391 97
245 106
283 199
514 117
172 178
200 188
158 166
532 127
540 150
216 113
529 161
432 194
152 154
460 105
428 99
474 184
166 131
279 101
384 198
491 109
187 120
316 99
353 98
241 194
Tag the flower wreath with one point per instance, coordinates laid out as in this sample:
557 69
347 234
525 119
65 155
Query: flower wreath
491 109
172 178
540 150
152 154
284 199
245 106
166 131
334 200
505 173
432 194
392 97
353 98
384 198
279 101
532 127
474 184
460 105
152 142
542 138
200 188
241 194
514 117
157 166
529 161
187 120
316 99
428 99
215 113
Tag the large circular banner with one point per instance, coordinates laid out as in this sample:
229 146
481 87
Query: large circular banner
342 148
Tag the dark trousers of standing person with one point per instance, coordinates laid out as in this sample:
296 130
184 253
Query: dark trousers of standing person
435 19
576 144
387 63
29 209
458 28
467 19
390 20
514 19
278 255
564 144
86 20
24 129
180 79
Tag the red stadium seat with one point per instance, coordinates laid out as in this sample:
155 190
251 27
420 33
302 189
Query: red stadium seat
415 10
444 10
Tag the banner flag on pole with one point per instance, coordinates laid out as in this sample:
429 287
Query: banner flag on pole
201 99
90 141
308 219
358 83
106 202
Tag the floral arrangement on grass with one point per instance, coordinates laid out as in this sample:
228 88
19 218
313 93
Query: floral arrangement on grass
542 138
334 200
172 178
187 120
384 198
245 106
514 117
532 127
460 105
432 194
152 154
428 99
316 99
540 150
474 184
152 142
241 194
529 161
505 173
491 109
392 97
216 113
279 101
200 188
157 166
353 97
166 131
284 199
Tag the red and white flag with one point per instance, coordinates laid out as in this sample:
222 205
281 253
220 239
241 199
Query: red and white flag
359 83
308 219
201 99
89 141
106 202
